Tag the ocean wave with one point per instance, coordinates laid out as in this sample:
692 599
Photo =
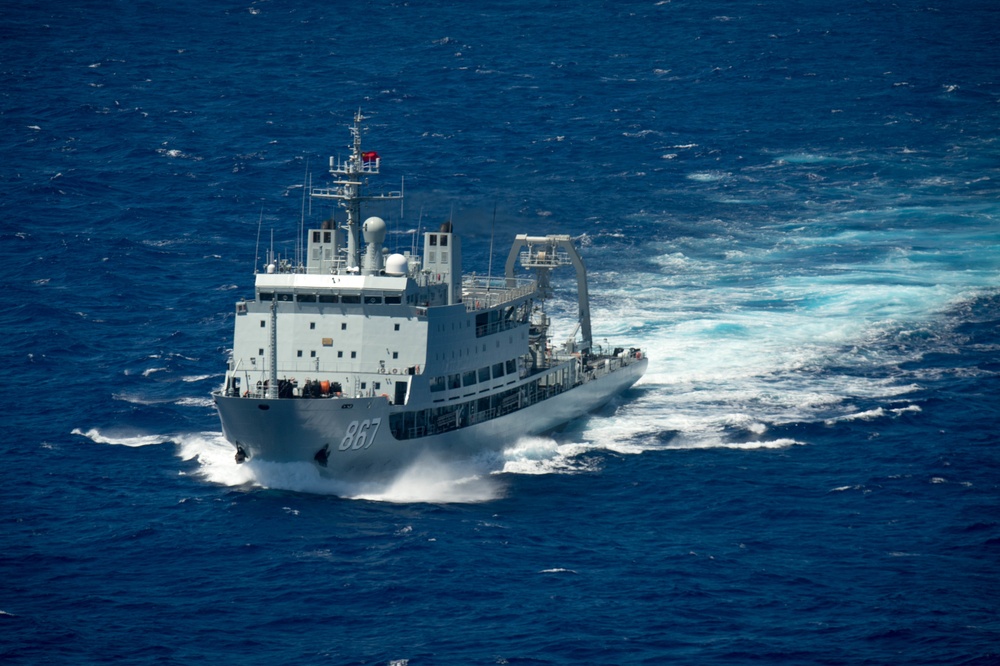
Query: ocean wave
195 402
122 439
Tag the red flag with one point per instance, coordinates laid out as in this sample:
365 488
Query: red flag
369 156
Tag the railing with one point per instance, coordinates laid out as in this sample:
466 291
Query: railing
482 293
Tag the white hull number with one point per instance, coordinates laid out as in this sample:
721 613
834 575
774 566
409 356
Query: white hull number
360 434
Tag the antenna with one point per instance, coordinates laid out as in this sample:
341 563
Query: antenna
413 241
256 249
493 226
300 237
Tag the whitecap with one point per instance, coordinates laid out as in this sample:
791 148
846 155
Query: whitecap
138 399
707 176
543 455
195 402
782 443
197 378
869 415
121 439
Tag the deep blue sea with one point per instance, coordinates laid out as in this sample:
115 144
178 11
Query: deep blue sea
794 208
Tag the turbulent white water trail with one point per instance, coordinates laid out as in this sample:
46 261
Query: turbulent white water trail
751 328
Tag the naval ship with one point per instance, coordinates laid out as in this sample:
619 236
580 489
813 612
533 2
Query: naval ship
359 360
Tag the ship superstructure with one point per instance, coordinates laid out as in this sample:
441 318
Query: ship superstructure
359 360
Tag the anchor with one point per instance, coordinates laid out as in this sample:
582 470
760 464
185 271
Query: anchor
322 455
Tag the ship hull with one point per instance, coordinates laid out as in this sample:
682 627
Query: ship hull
351 438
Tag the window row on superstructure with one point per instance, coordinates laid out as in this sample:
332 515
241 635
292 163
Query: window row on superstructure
347 299
435 420
458 380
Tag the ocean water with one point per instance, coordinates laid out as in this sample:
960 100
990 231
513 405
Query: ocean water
792 208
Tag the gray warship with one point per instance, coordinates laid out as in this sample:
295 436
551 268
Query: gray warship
360 361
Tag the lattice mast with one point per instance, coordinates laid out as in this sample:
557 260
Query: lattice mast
350 181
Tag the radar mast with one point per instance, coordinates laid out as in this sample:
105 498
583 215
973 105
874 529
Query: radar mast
350 180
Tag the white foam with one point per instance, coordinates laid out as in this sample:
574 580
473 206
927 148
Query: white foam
427 480
433 481
194 402
138 399
197 378
544 455
860 488
121 439
708 176
787 329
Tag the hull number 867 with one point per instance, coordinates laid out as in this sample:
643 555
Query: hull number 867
360 434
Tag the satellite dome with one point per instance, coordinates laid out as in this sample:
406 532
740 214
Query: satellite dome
395 264
374 230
